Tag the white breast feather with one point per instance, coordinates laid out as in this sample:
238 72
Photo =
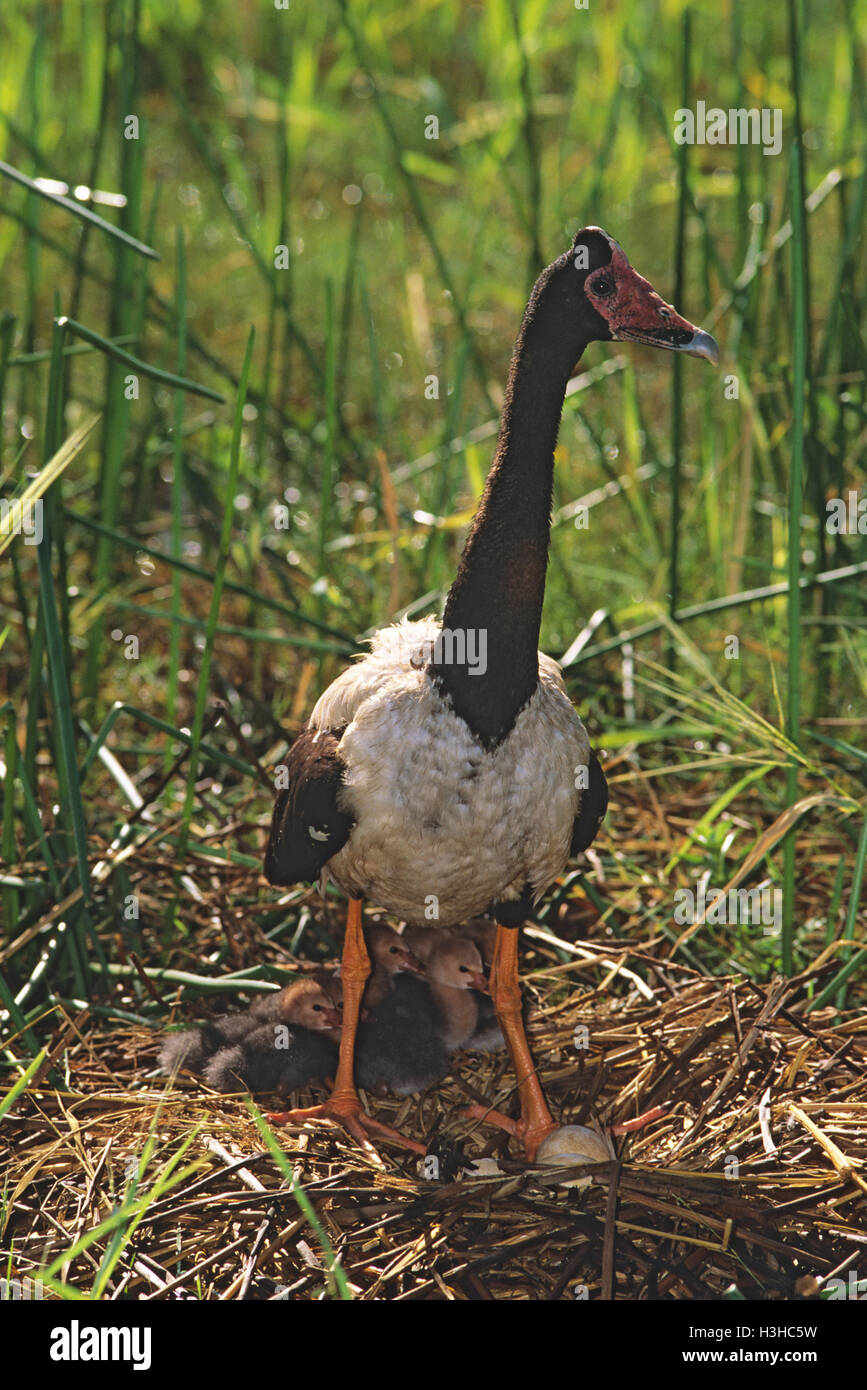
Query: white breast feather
441 823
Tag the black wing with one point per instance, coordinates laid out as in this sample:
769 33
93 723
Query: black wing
594 804
308 826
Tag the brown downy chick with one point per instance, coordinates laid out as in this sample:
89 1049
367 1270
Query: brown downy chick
298 1045
404 1045
390 956
483 934
193 1048
488 1036
422 940
454 974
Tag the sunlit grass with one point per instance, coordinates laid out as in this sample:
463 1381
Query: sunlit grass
409 262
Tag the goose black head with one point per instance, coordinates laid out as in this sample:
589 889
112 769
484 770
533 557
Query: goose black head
624 306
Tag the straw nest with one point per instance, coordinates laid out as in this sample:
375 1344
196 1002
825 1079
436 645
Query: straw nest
748 1168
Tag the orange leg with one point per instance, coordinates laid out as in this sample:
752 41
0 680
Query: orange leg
629 1126
343 1104
536 1120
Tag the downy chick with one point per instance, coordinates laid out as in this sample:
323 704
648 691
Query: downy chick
488 1036
297 1046
405 1045
390 956
193 1048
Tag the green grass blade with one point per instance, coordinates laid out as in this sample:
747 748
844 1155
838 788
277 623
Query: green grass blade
79 210
216 596
793 597
677 423
68 763
345 640
20 1086
111 349
335 1276
177 499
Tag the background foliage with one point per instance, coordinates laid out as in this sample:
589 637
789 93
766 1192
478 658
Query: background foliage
133 823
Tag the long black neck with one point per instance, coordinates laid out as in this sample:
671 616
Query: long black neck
495 603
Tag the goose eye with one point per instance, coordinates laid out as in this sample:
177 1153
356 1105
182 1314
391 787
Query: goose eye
603 285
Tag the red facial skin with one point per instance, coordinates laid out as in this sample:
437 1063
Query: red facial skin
635 313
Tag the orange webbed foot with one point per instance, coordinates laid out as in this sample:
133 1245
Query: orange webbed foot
529 1134
348 1112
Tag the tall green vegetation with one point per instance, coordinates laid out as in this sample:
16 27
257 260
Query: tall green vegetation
371 188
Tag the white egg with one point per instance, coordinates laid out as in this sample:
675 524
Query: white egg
570 1145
